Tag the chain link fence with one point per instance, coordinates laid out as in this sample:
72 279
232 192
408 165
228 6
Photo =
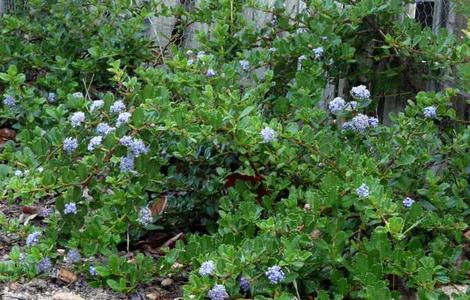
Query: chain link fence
432 13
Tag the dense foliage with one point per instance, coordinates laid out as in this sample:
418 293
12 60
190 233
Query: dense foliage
287 196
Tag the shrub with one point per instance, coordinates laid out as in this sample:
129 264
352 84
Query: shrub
230 140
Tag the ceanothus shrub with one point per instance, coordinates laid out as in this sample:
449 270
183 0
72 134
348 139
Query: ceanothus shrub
295 201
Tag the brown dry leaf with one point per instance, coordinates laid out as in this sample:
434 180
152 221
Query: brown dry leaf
467 234
7 134
30 210
29 218
159 206
67 276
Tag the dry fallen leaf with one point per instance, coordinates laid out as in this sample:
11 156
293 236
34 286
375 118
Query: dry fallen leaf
159 206
467 234
6 134
66 275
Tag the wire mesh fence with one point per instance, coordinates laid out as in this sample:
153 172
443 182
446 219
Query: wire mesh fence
12 5
433 13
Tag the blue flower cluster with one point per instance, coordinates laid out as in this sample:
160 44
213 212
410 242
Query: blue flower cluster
275 274
77 119
136 147
94 143
70 145
430 112
408 202
318 52
97 104
145 216
33 238
245 284
44 265
92 271
73 256
70 208
218 292
268 134
51 97
336 105
104 129
360 92
207 268
126 164
211 72
360 123
123 118
245 64
363 191
9 101
117 107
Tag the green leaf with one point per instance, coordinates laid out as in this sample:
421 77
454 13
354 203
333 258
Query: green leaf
246 111
405 160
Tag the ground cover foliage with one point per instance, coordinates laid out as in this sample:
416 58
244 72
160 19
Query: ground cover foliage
112 139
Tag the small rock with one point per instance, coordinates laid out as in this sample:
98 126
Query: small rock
177 265
37 283
451 289
152 296
315 234
14 286
167 282
66 296
67 275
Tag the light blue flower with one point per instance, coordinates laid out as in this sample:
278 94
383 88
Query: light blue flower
70 145
9 101
245 284
70 208
430 112
360 122
33 238
73 256
94 143
145 216
126 164
245 64
373 122
336 105
408 202
363 191
77 119
92 271
44 265
275 274
360 92
51 97
117 107
104 129
123 118
211 73
97 104
218 292
318 52
268 134
207 268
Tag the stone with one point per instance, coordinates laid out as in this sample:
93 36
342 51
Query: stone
66 296
451 289
152 296
167 282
